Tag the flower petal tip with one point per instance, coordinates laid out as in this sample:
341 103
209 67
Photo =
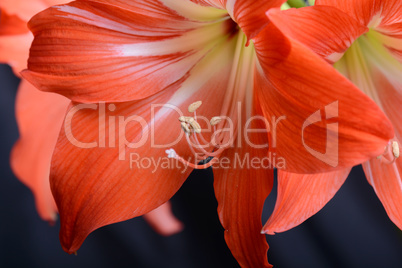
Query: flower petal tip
266 231
52 221
172 229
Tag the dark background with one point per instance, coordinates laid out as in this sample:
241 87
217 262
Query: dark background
353 230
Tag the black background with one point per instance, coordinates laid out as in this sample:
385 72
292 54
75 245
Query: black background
353 230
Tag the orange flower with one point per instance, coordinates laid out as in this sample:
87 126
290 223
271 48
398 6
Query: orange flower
147 62
40 116
364 40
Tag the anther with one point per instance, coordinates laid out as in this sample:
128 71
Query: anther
195 126
395 149
190 123
215 120
194 106
205 150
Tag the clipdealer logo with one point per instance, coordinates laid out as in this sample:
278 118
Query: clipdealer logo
119 124
331 154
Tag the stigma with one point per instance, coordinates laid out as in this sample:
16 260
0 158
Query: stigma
395 149
391 153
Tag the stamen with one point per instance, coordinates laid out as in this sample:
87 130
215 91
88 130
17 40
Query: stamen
395 149
215 120
196 127
185 127
194 106
207 150
191 123
211 154
192 149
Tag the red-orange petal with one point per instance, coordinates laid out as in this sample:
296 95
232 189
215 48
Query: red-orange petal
126 51
243 180
326 30
386 179
323 121
163 221
15 40
300 196
93 187
383 15
250 14
39 116
11 24
14 51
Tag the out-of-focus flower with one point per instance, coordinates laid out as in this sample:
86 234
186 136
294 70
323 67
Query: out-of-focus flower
364 40
151 60
15 38
40 116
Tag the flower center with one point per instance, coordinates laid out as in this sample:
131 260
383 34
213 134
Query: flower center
367 63
206 150
237 101
365 57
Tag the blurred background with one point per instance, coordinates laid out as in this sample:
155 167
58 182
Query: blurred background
353 230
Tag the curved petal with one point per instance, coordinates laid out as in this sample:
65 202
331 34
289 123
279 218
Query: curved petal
104 189
163 220
387 183
31 155
40 116
383 15
87 49
300 196
302 94
250 14
386 178
105 170
241 188
330 32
